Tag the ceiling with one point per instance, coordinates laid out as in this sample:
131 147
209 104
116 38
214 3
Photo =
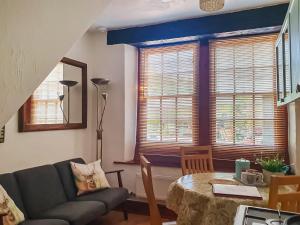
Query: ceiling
130 13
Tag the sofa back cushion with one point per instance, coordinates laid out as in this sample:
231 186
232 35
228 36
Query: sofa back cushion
41 189
67 178
9 183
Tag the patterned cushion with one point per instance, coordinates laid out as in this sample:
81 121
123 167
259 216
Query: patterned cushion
7 206
10 185
89 178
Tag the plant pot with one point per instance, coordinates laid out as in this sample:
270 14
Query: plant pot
267 175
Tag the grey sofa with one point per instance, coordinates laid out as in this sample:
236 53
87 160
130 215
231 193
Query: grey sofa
47 196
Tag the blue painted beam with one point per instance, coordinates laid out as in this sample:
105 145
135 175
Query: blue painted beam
256 19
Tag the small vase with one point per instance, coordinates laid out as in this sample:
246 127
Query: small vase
267 175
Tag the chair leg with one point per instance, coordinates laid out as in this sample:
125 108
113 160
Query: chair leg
125 213
123 208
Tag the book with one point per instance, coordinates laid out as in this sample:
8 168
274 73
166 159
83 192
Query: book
236 191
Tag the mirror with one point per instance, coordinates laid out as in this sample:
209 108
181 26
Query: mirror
60 102
72 94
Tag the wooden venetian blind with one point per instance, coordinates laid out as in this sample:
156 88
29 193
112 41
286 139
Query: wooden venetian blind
45 104
244 117
168 100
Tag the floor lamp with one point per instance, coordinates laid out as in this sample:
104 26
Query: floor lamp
68 84
101 85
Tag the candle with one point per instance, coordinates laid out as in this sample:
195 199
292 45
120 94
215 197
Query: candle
241 165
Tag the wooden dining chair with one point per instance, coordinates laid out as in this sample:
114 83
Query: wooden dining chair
288 201
155 217
196 159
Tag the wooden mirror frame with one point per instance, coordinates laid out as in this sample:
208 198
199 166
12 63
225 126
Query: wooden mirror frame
25 110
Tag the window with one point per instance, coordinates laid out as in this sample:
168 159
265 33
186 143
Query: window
244 117
168 99
230 104
45 104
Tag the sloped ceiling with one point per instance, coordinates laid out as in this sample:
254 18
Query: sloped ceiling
34 36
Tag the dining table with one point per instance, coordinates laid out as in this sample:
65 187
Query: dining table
191 197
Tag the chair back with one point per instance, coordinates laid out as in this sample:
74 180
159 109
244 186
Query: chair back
196 159
288 201
155 217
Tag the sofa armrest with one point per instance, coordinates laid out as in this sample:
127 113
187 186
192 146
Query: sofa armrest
1 218
118 172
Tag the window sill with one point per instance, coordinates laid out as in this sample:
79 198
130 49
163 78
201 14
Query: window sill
156 160
131 162
220 165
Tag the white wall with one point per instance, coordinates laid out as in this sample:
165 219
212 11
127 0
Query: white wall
130 98
23 150
110 63
34 36
294 135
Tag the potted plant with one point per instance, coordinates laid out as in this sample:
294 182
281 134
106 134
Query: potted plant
272 166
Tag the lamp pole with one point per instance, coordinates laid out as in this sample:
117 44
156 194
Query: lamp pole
101 85
68 105
100 127
97 137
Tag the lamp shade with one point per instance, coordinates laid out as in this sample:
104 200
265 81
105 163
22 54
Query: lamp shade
100 81
68 83
211 5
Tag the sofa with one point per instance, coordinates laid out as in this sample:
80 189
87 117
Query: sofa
47 195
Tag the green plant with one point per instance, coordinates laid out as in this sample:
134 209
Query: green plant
272 164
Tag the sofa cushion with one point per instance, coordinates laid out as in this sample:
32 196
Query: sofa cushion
7 206
45 222
66 175
41 189
89 177
9 183
77 213
112 197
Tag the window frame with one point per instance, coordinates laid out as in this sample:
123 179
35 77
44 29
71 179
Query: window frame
195 97
24 114
220 163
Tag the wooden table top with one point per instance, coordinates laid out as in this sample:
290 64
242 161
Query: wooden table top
200 183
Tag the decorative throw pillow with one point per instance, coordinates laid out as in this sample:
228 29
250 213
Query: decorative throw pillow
7 206
89 177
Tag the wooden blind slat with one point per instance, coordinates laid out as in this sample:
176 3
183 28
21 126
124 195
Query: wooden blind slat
244 118
168 98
